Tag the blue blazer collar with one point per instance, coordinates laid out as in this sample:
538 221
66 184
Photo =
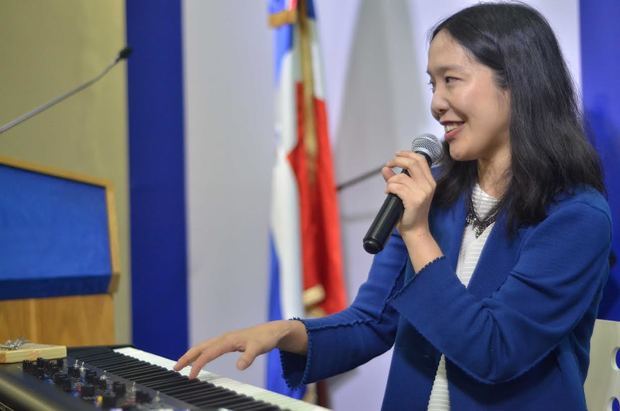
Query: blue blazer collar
498 256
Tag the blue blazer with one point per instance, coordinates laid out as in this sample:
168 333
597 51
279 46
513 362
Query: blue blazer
517 338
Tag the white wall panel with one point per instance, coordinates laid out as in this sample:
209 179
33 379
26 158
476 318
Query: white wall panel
229 153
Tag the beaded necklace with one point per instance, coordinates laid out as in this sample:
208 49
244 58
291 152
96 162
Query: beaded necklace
480 224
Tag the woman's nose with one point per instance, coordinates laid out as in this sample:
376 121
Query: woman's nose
439 104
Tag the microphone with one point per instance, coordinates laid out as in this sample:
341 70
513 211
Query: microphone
122 55
430 147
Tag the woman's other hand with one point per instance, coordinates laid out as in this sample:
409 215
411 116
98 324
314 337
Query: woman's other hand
287 335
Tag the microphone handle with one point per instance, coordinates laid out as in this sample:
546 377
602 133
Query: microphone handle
383 224
60 98
386 219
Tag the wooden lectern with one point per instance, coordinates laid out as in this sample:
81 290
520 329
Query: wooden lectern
59 256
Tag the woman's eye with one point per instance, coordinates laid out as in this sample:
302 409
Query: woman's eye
431 84
449 79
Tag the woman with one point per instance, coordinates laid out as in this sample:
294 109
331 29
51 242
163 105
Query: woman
504 327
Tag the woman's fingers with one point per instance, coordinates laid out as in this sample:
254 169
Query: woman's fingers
415 164
251 342
247 358
205 352
200 362
409 192
187 358
387 173
418 173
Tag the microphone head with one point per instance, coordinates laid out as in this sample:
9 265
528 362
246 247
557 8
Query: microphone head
124 53
430 146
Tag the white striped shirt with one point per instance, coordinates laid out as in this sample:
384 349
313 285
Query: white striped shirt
471 247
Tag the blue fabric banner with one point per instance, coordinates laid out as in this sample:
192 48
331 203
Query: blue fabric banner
600 65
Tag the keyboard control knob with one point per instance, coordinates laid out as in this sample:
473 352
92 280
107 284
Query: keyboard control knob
88 390
142 397
66 385
119 388
108 400
38 372
28 366
90 376
74 372
59 377
102 383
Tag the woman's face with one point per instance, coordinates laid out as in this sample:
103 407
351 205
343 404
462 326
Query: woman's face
473 109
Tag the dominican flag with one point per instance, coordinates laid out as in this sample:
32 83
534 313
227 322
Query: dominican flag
306 258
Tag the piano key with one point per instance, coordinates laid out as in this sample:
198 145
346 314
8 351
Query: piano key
176 385
136 374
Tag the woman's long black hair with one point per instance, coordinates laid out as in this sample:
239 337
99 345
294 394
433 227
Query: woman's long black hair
549 151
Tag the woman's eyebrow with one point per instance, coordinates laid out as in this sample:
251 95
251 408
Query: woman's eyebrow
443 69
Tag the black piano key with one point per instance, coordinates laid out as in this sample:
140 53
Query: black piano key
118 359
128 367
231 403
141 372
201 396
90 357
226 400
186 382
138 368
102 357
257 406
220 397
113 357
168 383
155 376
253 406
113 361
118 365
128 375
201 393
145 370
178 386
152 381
195 394
189 389
215 390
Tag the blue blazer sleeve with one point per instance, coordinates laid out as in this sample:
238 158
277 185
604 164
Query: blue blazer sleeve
342 341
561 268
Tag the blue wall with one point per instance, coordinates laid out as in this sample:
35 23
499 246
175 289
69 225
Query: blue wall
157 180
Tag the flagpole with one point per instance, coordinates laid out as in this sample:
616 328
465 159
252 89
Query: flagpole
305 43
